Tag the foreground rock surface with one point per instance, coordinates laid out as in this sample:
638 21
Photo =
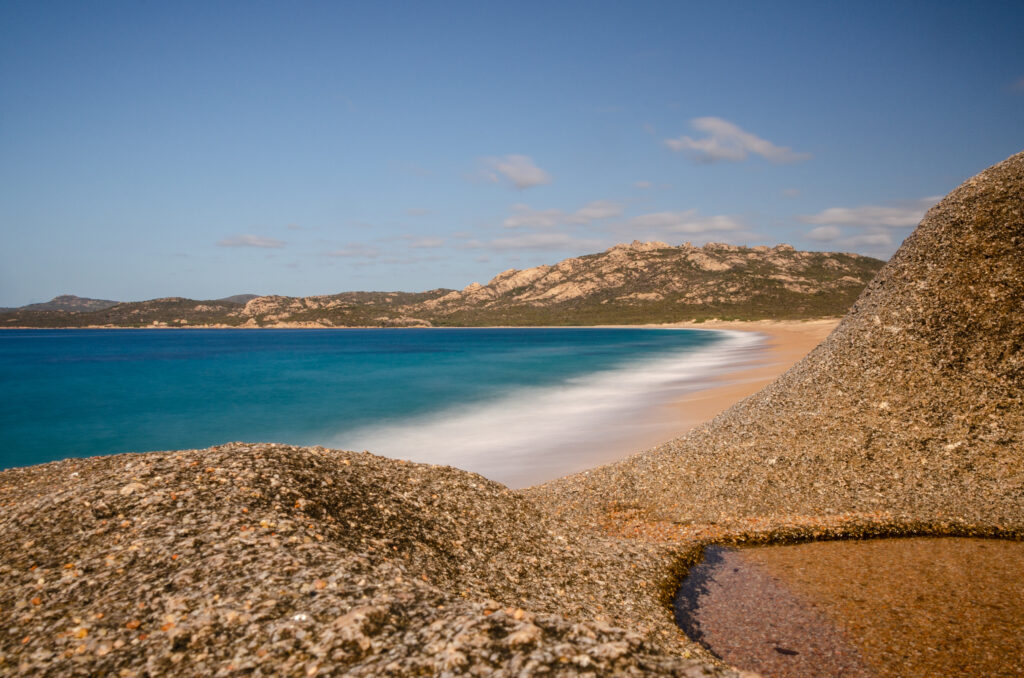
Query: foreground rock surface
303 561
275 560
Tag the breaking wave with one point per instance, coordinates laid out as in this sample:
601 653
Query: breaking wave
533 434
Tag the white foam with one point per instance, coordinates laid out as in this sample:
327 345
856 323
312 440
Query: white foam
537 434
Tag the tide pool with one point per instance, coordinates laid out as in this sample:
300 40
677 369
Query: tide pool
509 403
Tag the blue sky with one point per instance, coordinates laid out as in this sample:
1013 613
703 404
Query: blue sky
215 148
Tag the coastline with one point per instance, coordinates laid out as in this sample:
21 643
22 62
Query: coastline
715 383
784 343
743 325
787 342
601 420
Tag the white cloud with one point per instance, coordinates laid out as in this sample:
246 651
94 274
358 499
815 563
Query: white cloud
524 216
519 170
599 209
876 241
249 240
870 229
727 141
873 239
873 215
426 243
824 233
599 224
540 241
356 251
688 222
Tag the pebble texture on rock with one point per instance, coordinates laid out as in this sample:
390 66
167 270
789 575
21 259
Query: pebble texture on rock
277 560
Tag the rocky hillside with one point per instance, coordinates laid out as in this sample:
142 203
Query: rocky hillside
655 282
634 283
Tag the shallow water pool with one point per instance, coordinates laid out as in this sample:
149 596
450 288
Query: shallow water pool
883 607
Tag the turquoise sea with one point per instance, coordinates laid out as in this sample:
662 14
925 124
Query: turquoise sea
518 405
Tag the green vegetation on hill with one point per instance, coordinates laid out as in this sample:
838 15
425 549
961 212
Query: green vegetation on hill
627 284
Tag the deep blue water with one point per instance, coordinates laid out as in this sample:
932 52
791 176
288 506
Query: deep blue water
66 393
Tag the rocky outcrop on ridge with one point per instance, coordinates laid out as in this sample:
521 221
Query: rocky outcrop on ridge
276 560
637 282
654 271
629 283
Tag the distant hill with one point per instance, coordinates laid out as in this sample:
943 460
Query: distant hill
630 283
70 303
239 298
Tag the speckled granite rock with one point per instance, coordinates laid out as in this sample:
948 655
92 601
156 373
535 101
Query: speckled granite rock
275 560
911 410
278 560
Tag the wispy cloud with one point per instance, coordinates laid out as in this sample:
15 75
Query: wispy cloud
727 141
542 241
686 222
426 243
641 184
552 229
524 216
791 192
870 241
1018 86
355 251
249 240
677 226
824 233
873 215
599 209
519 170
600 224
872 229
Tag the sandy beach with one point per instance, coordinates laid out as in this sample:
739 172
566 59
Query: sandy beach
536 435
785 343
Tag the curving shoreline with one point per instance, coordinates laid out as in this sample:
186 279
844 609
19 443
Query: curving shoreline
908 419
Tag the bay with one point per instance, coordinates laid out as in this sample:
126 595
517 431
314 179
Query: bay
457 396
